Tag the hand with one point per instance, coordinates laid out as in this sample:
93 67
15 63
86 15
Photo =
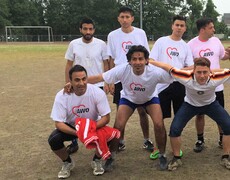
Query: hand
111 89
106 88
68 88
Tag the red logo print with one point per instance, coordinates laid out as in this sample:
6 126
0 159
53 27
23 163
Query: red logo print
172 52
126 46
206 53
136 87
79 109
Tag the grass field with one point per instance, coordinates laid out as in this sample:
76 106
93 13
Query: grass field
31 75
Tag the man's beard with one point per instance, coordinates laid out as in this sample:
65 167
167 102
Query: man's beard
87 37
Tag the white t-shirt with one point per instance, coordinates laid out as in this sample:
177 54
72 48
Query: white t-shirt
211 49
89 55
137 89
119 43
196 94
92 105
175 53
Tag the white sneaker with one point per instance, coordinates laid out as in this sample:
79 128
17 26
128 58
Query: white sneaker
97 167
65 170
226 163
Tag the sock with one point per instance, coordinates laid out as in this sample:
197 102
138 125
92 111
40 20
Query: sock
122 141
200 137
225 156
221 137
177 157
68 160
74 141
96 157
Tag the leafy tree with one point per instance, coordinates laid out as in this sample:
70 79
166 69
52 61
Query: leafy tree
4 15
194 9
210 11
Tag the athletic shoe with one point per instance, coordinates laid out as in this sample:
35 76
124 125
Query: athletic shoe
108 166
148 145
225 162
174 164
97 167
163 162
220 144
199 146
72 148
66 169
154 155
121 147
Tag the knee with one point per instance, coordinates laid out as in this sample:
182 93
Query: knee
55 143
174 131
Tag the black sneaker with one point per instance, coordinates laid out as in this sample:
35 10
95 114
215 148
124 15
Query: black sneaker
72 148
199 146
148 145
108 166
163 162
121 147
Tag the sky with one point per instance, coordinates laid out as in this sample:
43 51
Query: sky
222 6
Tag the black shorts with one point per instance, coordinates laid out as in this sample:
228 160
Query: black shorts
174 94
220 97
57 138
117 93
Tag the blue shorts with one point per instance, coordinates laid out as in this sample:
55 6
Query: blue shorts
154 100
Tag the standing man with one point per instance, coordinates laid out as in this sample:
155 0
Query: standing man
205 45
86 101
89 52
139 80
200 98
119 42
172 50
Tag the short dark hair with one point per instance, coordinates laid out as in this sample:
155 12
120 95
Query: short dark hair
203 22
178 17
202 61
126 9
136 48
76 68
86 20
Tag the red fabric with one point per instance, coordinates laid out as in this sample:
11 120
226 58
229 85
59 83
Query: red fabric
92 137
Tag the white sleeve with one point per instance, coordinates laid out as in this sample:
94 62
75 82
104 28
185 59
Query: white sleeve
59 112
69 53
103 104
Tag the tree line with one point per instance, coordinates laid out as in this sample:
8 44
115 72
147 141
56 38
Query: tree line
64 15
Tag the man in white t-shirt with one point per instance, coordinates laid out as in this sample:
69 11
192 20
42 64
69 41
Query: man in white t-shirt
118 43
172 50
91 53
86 101
139 80
200 98
205 45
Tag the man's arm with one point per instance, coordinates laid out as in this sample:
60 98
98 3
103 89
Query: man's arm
103 121
106 68
162 65
64 128
68 66
111 65
95 79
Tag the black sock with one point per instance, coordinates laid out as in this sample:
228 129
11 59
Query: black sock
177 157
68 160
221 137
96 157
225 156
200 137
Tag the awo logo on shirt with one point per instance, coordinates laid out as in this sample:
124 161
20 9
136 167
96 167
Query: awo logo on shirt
172 52
126 46
78 110
136 87
206 53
